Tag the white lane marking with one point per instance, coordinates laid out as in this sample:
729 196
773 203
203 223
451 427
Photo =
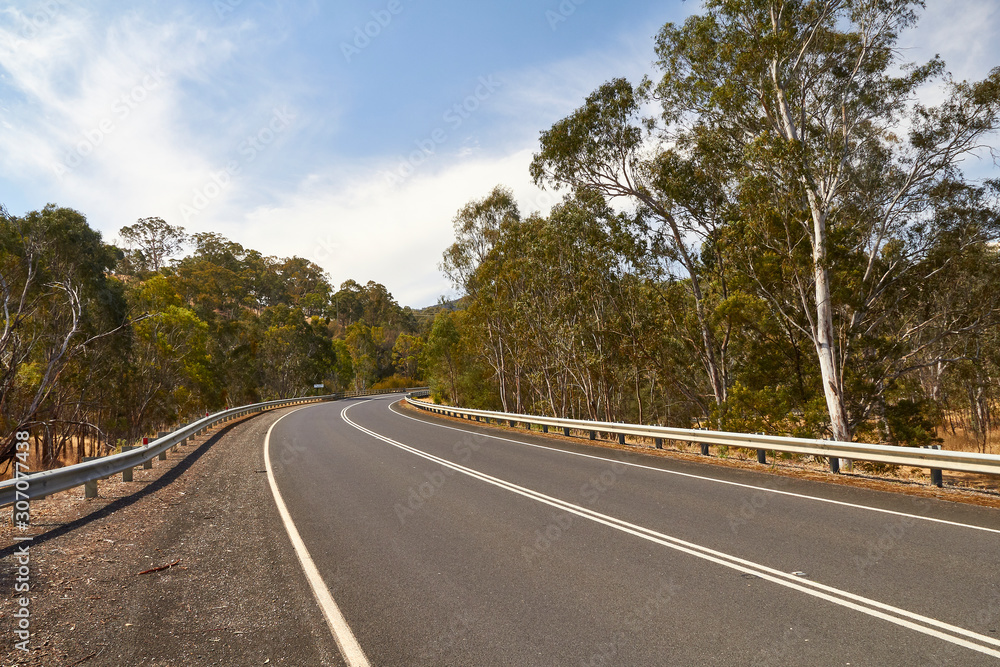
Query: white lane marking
907 619
342 635
709 479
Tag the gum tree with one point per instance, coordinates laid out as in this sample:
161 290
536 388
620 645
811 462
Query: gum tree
813 95
608 147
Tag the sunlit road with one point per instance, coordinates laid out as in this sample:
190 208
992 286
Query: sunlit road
449 544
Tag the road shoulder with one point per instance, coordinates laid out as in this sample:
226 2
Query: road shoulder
234 593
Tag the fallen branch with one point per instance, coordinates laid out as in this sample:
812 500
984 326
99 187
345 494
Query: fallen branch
162 567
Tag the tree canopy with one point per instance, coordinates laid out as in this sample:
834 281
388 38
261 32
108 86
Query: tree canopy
774 233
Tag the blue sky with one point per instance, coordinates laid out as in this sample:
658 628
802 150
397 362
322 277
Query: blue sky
347 133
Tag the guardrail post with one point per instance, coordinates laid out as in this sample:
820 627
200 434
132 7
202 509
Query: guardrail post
937 479
90 488
127 473
163 454
621 438
148 463
545 428
658 443
593 436
761 456
513 424
566 431
704 448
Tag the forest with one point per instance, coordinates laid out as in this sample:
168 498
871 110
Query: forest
772 234
103 345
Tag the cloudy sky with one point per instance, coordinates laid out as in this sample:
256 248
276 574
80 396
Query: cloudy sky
348 133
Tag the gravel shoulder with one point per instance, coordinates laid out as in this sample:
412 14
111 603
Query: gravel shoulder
234 594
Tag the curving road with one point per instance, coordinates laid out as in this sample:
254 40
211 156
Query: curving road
436 543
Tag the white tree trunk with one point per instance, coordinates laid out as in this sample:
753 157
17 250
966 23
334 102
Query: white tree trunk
823 335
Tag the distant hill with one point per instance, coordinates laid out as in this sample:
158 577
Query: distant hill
425 316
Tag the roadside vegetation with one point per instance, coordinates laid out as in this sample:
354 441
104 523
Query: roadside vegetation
773 235
102 345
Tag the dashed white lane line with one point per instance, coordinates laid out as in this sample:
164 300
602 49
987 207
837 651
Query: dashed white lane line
901 617
342 634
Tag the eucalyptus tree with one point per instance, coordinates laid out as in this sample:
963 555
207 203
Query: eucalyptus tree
825 113
609 146
57 301
490 276
151 242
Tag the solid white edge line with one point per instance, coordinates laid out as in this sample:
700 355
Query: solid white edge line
909 619
709 479
349 647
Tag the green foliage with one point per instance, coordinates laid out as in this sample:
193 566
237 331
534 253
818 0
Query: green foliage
165 338
913 423
798 243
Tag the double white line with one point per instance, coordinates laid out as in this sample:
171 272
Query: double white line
923 624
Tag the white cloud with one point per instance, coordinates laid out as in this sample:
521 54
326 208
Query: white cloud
966 33
390 220
540 95
368 229
95 114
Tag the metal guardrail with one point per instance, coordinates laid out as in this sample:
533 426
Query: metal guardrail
47 482
935 459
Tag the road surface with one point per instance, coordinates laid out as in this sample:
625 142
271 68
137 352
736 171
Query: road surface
434 542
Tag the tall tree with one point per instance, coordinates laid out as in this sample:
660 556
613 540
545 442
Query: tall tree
57 300
151 241
814 93
609 147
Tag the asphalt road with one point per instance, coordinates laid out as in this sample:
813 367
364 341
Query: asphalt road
447 544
